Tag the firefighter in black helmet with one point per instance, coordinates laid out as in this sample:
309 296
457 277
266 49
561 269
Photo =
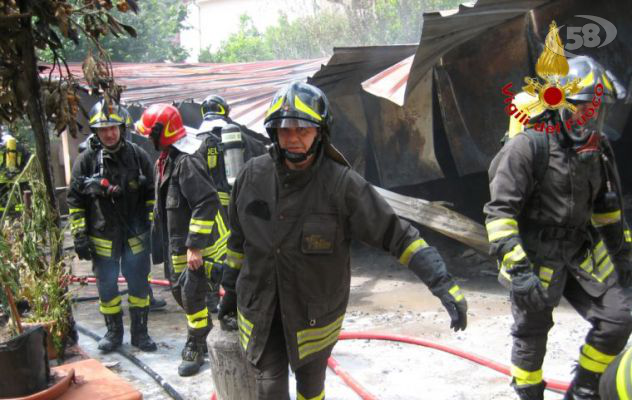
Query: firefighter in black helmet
225 147
111 200
293 213
563 234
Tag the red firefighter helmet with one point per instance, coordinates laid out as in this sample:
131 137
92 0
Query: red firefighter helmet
162 123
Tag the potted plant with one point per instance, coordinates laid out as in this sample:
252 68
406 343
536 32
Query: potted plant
33 268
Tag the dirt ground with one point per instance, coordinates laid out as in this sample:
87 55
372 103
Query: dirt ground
385 297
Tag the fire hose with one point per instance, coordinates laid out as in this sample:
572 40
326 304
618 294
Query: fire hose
551 384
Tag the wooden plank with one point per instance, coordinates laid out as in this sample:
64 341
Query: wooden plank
439 218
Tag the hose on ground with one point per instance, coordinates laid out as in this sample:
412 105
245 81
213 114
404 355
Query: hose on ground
91 279
93 298
551 384
159 379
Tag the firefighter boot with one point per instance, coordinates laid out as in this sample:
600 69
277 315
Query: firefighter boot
140 338
530 392
192 356
155 303
114 336
585 385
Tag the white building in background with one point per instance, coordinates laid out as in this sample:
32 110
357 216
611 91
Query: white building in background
211 21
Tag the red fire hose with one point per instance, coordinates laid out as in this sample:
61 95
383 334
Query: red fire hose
551 384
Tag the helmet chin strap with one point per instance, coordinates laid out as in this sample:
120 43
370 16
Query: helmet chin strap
300 157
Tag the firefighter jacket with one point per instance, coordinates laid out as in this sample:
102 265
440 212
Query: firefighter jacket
565 223
110 221
211 151
290 241
187 212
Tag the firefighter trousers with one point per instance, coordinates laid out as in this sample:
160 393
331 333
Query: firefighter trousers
189 289
608 314
271 371
134 267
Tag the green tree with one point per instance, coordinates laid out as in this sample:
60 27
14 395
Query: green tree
363 23
157 25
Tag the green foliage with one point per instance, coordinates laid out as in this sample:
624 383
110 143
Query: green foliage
157 25
32 263
363 23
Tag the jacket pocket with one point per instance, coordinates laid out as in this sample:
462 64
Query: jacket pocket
173 197
319 236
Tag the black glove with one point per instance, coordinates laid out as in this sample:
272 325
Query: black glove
228 311
83 248
527 292
429 266
454 303
624 271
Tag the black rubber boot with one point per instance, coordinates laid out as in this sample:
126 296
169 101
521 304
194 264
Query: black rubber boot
530 392
114 336
192 356
140 338
585 385
154 303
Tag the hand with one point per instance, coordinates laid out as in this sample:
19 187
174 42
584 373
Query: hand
228 311
83 248
527 292
454 303
194 258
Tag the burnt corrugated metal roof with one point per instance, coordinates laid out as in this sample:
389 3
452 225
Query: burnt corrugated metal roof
248 87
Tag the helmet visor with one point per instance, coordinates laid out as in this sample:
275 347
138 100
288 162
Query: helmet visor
290 123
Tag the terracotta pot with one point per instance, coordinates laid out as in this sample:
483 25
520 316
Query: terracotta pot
48 327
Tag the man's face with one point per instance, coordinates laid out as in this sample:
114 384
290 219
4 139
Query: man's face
109 136
297 139
581 109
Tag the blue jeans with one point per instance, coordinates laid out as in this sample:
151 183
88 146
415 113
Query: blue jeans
135 269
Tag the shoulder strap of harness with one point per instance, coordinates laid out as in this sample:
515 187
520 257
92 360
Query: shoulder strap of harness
540 145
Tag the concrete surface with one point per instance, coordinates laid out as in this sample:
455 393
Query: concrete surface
384 297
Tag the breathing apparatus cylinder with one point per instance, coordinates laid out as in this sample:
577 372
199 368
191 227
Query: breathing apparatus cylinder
12 154
233 149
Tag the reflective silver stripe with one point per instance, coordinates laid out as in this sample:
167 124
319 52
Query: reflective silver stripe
513 257
313 340
602 219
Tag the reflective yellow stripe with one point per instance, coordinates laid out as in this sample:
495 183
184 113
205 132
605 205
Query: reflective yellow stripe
76 210
627 235
234 259
110 307
138 301
107 244
275 106
605 269
546 273
524 377
306 109
311 334
136 244
321 396
309 348
411 250
513 257
179 262
199 229
593 359
597 355
592 365
150 202
600 251
224 198
501 228
603 219
151 216
624 376
245 329
588 263
455 291
199 319
202 222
